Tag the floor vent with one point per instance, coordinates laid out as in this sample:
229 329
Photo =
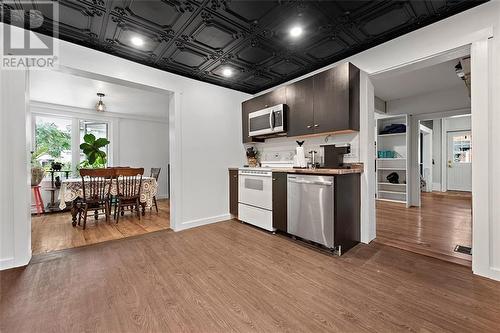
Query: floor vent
463 249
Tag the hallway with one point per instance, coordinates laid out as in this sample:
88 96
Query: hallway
443 221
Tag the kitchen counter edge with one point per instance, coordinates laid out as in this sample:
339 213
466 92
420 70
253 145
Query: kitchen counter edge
355 168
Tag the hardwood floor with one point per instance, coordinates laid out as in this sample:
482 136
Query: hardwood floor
53 232
229 276
443 221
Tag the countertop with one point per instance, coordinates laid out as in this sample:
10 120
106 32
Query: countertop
355 168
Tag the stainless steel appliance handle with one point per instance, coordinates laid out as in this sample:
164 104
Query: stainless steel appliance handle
271 122
310 182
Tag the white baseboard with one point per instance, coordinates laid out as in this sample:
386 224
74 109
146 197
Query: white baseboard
11 262
436 187
6 263
491 273
204 221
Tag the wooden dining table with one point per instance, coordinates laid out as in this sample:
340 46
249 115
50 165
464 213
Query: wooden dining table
71 190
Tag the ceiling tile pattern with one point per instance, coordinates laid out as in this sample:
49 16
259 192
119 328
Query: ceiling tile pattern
199 38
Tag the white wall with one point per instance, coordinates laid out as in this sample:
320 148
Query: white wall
461 123
144 144
15 232
440 101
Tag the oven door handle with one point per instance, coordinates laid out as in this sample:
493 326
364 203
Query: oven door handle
255 175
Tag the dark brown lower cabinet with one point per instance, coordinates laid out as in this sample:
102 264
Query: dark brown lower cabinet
347 215
279 200
233 192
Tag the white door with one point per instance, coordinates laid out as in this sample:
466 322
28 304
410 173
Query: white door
459 168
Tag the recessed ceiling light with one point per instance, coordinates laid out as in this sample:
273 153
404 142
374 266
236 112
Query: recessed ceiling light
227 72
296 31
137 41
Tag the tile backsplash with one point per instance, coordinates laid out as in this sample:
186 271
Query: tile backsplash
283 149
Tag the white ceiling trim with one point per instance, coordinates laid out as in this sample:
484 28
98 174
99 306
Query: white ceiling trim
61 110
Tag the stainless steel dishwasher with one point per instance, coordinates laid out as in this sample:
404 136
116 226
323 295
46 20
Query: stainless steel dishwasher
311 208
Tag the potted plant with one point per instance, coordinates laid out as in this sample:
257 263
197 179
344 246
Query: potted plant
57 166
95 157
37 172
252 156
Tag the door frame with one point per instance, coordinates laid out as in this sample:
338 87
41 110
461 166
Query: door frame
427 134
173 112
481 62
444 148
445 166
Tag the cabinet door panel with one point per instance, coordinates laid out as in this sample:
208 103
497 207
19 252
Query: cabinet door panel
299 99
275 97
280 201
331 99
233 192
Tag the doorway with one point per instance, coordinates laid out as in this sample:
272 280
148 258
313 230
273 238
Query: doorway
429 210
459 161
60 124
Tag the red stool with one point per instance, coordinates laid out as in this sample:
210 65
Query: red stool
38 200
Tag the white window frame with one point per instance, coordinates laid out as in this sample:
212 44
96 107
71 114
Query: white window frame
75 134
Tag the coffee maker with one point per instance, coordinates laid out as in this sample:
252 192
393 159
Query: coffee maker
334 155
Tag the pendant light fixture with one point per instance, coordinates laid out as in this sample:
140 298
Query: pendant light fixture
100 107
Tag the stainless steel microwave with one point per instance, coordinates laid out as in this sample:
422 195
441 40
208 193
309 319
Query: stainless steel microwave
267 121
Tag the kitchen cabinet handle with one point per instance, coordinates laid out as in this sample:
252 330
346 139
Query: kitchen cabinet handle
316 125
309 126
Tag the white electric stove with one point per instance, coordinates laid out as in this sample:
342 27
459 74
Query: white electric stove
255 194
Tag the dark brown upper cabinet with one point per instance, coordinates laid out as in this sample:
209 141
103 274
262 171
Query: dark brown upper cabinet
333 110
269 99
299 99
324 103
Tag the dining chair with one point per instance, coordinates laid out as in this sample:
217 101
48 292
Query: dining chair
128 184
112 198
96 186
155 173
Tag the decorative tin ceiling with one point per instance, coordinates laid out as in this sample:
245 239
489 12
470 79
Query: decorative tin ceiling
201 38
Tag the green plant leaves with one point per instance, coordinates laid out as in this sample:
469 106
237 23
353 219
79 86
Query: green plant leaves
101 142
89 138
86 147
91 148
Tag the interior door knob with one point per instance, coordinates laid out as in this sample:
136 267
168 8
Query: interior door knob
316 125
309 126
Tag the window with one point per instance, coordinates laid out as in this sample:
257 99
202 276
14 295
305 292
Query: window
99 129
58 139
462 152
53 141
